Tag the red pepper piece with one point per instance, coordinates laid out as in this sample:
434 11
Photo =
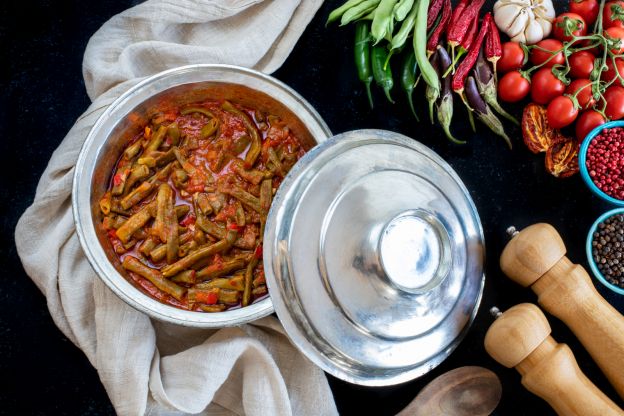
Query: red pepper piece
493 49
190 219
434 39
468 63
434 10
470 36
461 22
258 252
234 227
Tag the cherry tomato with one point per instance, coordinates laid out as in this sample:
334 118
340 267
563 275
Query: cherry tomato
581 64
545 86
539 56
569 21
511 59
561 112
614 96
614 34
609 74
613 14
587 121
513 87
582 88
587 9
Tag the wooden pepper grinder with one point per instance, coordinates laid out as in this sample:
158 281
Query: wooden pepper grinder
535 257
520 338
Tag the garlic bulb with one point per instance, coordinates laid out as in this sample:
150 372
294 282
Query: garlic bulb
526 21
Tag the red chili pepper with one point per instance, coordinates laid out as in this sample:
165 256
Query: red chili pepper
468 63
493 49
258 252
470 36
434 11
457 13
462 21
434 39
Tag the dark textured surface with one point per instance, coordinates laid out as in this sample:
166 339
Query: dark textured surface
41 46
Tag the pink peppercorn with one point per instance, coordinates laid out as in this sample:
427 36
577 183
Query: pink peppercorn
605 162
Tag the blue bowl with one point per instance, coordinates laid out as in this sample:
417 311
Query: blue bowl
588 250
583 156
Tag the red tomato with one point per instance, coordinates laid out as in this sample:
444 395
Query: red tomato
511 59
567 25
615 34
582 88
587 121
613 14
609 74
545 86
539 56
513 87
614 96
581 64
561 112
587 9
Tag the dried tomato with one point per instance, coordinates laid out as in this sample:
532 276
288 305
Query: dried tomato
561 157
537 134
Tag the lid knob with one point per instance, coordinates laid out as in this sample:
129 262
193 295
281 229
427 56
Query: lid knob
414 250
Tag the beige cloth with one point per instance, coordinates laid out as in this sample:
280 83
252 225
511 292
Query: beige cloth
149 367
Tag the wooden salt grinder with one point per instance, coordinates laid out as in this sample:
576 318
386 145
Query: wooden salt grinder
520 338
535 257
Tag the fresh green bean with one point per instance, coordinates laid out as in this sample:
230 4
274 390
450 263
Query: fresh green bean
402 8
406 29
256 142
359 11
362 57
420 47
134 265
337 13
383 20
383 77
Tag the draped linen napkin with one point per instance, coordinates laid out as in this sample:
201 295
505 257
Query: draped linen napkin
146 366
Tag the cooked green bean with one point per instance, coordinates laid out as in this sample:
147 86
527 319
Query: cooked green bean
252 175
256 141
163 199
248 280
202 204
210 227
157 139
133 150
121 176
186 165
171 227
173 131
186 248
266 195
200 253
181 210
230 297
220 269
244 197
137 195
105 203
209 129
137 173
138 220
134 265
276 161
259 291
147 246
240 145
205 296
232 283
212 308
199 110
187 276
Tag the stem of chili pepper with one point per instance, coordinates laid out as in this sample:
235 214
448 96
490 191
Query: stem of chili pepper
467 64
464 46
460 27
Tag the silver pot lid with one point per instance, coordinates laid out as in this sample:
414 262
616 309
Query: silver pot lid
377 254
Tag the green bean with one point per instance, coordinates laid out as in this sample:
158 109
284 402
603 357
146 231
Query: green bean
248 280
187 276
336 13
359 11
220 269
171 227
230 297
186 165
105 203
232 283
186 248
200 253
266 194
199 237
383 20
206 296
383 77
134 265
160 252
275 161
210 227
402 8
156 140
137 173
132 150
137 195
173 131
162 204
259 291
420 45
212 308
240 145
149 161
400 38
147 246
121 175
162 174
179 178
199 110
256 142
210 128
165 157
252 175
246 198
181 210
202 204
138 220
239 215
362 57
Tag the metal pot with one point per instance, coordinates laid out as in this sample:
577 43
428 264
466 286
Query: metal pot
110 133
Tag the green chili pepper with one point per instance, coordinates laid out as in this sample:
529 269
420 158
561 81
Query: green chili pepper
408 79
383 77
362 57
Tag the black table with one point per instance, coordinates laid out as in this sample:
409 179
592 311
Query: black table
42 42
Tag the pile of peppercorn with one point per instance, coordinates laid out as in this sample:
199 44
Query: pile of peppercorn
608 249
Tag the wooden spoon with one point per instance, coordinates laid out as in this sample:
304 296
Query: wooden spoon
464 391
